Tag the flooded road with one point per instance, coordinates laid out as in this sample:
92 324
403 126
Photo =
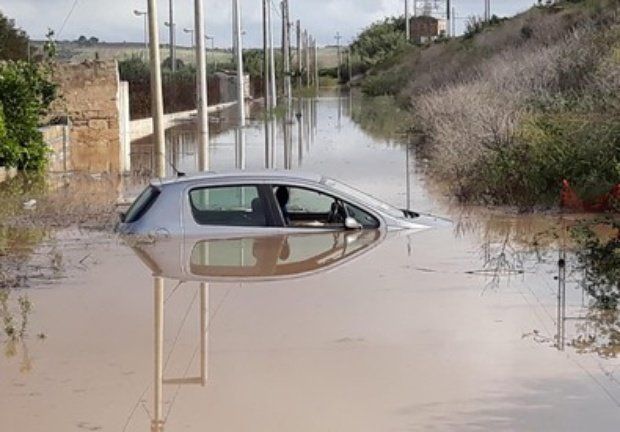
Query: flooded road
473 326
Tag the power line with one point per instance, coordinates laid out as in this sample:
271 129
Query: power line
275 8
64 23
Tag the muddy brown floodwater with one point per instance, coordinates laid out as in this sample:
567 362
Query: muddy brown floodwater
466 327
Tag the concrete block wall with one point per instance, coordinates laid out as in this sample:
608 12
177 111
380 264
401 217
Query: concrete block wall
57 139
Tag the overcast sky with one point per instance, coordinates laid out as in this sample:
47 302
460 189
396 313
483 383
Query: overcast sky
113 20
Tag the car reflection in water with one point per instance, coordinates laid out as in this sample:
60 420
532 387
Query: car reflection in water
247 260
254 259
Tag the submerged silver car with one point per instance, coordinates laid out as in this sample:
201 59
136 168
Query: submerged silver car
246 203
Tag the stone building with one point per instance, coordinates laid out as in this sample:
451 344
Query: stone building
426 28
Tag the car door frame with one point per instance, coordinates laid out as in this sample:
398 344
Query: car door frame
192 228
314 187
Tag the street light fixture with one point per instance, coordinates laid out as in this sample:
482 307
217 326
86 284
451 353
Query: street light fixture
191 33
172 47
144 14
212 39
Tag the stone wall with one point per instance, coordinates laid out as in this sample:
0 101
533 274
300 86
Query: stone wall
89 93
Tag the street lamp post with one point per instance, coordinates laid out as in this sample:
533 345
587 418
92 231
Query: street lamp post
145 15
173 59
173 42
212 39
191 33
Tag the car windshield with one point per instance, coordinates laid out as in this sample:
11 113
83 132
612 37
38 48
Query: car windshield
364 198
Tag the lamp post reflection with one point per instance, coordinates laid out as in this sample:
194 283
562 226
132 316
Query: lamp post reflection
159 419
247 260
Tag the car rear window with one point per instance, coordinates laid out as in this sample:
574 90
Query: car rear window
142 204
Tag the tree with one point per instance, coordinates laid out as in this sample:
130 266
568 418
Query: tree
26 93
82 40
380 40
13 41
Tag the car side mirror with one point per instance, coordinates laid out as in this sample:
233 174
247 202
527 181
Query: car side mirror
352 224
122 216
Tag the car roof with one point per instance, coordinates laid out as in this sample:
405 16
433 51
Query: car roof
276 175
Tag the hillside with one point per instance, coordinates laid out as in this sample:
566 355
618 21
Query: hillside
77 52
513 108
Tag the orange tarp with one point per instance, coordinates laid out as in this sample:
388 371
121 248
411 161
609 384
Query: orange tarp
570 199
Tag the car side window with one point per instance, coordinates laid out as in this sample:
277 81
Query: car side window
308 208
228 206
362 217
309 201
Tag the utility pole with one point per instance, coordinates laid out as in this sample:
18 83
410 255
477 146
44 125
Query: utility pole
283 42
349 66
146 28
338 37
299 66
240 85
234 36
201 81
307 55
239 61
272 90
316 66
212 39
310 61
266 90
286 81
173 42
286 55
266 58
453 17
272 61
448 18
157 100
407 21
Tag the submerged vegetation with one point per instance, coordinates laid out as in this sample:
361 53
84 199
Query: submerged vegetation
514 107
599 259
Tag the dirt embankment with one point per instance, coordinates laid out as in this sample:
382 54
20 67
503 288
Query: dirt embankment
513 108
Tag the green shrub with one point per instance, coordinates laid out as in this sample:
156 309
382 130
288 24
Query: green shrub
550 148
26 93
388 83
380 41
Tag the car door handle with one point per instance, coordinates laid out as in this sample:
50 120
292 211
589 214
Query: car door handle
159 233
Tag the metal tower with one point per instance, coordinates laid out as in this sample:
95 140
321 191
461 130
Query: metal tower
434 8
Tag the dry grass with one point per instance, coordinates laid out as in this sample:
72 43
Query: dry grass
489 91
